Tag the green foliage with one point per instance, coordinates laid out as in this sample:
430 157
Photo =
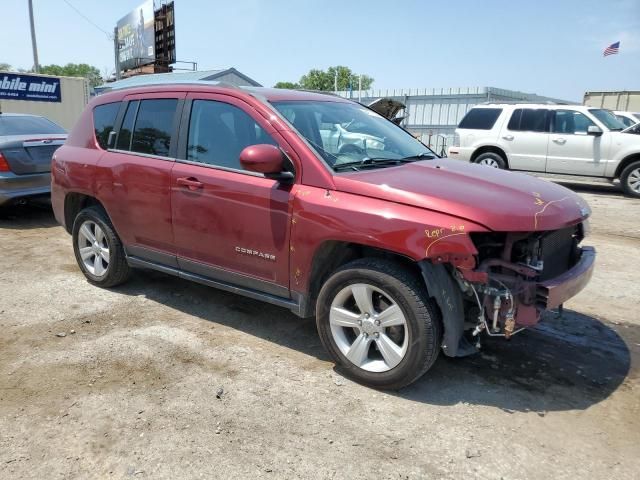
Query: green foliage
289 85
5 67
324 80
75 70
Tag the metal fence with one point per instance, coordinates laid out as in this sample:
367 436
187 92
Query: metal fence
432 114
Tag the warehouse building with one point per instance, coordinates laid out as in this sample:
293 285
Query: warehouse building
432 114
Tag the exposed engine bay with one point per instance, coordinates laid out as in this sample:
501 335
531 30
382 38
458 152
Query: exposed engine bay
512 283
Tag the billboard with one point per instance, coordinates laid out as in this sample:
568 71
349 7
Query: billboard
136 37
165 35
19 86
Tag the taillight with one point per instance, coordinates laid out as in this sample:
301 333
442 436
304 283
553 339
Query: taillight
4 166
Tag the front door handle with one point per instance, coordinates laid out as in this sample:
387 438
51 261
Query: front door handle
560 141
508 137
190 182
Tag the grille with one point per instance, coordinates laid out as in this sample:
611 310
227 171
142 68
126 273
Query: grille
557 251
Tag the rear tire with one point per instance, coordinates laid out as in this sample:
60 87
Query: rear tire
376 320
630 180
491 159
98 249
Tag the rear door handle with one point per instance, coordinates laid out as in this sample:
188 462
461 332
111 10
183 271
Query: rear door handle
508 137
190 182
560 141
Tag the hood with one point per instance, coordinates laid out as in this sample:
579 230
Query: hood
497 199
388 108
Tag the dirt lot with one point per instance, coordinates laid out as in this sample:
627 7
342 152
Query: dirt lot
133 392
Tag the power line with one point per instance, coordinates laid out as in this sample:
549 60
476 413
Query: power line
109 35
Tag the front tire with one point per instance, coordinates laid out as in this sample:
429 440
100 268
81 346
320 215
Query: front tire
630 180
376 320
98 249
491 159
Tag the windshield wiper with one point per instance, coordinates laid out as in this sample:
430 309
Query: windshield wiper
420 156
372 162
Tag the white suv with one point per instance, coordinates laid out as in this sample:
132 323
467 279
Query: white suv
550 139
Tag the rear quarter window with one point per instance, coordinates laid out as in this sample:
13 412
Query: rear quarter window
104 118
480 118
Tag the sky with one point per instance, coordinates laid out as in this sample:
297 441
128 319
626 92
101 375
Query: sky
551 48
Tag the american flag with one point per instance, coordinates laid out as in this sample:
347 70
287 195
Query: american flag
612 49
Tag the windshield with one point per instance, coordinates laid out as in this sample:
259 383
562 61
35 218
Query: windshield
607 118
348 134
27 126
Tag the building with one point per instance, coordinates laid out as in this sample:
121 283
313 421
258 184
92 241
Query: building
432 114
624 100
230 76
60 99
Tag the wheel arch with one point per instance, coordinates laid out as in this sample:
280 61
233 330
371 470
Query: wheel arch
489 149
628 160
74 203
332 254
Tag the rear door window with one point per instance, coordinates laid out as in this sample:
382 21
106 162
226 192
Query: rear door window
124 135
104 118
480 118
154 126
529 120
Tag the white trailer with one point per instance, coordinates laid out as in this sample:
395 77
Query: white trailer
60 99
624 100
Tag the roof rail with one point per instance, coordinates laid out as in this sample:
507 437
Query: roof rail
108 88
532 102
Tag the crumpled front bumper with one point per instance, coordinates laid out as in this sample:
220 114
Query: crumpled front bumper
552 293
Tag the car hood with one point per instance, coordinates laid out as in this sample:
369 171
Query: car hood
496 199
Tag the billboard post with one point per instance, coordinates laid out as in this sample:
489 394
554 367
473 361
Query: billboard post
116 52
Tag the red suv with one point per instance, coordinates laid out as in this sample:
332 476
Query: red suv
320 205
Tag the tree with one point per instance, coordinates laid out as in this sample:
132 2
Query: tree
323 80
5 67
289 85
75 70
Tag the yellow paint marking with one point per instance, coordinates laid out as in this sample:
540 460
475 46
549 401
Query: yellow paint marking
438 239
535 217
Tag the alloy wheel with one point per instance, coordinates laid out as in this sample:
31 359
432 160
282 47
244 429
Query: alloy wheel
489 162
93 248
634 180
369 327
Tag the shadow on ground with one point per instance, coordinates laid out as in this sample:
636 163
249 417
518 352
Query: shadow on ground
23 217
566 363
594 188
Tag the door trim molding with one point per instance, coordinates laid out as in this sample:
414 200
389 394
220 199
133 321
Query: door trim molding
297 306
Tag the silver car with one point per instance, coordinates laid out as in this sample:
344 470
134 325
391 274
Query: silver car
27 143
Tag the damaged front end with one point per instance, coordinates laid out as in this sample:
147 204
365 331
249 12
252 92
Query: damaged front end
516 277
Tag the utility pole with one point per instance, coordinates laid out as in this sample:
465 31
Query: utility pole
34 46
335 82
116 50
360 88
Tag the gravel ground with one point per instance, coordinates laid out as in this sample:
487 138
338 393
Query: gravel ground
162 378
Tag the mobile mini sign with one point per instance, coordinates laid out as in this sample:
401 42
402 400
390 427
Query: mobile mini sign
29 87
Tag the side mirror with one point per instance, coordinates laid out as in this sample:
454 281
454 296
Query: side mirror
594 130
267 159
